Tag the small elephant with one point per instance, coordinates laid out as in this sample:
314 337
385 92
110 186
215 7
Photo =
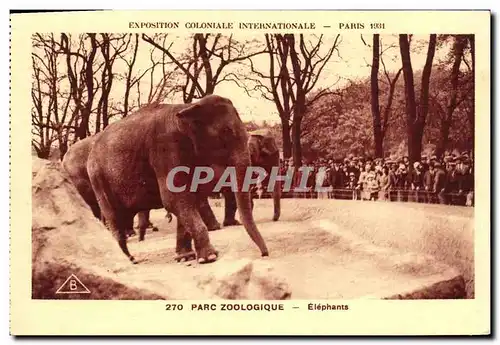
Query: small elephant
130 161
264 153
75 164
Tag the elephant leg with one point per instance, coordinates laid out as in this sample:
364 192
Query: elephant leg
230 208
184 206
184 248
190 219
143 223
207 214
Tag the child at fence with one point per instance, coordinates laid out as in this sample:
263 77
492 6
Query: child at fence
363 183
416 182
372 187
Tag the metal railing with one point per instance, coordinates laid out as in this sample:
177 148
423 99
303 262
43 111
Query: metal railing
395 195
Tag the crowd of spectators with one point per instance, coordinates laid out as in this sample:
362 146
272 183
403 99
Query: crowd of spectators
449 180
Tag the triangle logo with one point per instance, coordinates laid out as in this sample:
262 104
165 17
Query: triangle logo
72 285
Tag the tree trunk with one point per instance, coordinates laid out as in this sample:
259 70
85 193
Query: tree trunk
63 148
287 142
377 125
415 120
297 148
458 52
443 139
410 103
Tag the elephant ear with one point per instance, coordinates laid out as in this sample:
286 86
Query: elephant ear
206 109
192 112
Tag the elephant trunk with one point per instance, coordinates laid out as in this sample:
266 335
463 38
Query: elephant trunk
277 201
244 204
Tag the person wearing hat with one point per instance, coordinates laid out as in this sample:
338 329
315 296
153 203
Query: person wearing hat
393 181
424 161
402 182
416 182
371 186
352 168
384 184
352 185
336 179
429 183
452 182
439 187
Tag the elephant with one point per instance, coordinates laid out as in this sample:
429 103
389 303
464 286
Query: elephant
264 153
75 164
130 162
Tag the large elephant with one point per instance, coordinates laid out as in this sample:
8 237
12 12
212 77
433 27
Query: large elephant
130 161
75 164
264 153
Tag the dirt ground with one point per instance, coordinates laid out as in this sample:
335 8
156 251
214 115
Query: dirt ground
336 249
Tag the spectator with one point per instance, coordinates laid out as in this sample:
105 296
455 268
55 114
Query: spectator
384 184
337 179
363 183
439 183
311 181
393 182
352 168
452 182
429 183
322 182
402 182
352 185
371 185
416 181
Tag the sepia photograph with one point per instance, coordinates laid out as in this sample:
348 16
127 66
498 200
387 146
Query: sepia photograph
275 162
377 132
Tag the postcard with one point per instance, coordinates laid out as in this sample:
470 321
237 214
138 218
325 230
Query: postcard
250 173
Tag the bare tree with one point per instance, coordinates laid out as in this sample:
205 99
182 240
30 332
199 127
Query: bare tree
204 63
84 80
111 47
295 65
43 133
51 102
416 113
